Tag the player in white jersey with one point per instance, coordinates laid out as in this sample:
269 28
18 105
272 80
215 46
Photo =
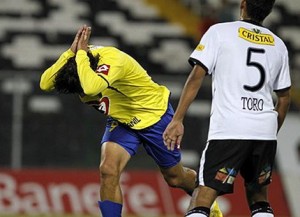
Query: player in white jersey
247 63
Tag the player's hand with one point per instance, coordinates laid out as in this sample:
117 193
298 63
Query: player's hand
76 39
84 38
173 135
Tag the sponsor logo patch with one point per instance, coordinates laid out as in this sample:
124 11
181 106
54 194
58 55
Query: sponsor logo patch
200 47
226 175
133 122
255 36
104 69
113 125
264 175
104 105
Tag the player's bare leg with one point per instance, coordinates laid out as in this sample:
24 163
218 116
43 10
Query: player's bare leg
258 202
203 196
113 160
203 202
185 178
258 195
180 177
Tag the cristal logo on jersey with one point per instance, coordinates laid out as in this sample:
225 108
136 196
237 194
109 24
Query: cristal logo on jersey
255 36
104 105
104 69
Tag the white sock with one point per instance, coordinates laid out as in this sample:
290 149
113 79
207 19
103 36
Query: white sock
198 212
196 215
261 209
263 215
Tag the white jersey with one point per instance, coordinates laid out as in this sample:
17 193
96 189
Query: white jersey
247 63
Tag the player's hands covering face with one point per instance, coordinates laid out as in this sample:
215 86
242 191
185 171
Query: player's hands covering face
84 38
76 39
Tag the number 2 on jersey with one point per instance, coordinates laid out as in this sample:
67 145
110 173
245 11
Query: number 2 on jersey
257 65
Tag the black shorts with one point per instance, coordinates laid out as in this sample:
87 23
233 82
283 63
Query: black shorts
222 160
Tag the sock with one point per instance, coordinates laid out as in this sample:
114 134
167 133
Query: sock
110 209
199 211
261 209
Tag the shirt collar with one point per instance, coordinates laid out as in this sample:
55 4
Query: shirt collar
252 22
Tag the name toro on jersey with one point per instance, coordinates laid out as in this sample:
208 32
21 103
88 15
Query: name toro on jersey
257 37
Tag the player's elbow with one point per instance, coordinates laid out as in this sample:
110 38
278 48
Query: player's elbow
93 89
45 85
90 91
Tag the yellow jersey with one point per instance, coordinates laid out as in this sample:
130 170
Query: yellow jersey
119 87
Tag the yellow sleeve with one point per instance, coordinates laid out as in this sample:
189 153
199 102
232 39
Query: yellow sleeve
91 83
48 77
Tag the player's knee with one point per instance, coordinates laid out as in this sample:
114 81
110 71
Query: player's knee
181 178
191 174
108 170
173 181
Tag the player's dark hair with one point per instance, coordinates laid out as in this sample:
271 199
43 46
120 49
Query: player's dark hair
67 79
258 10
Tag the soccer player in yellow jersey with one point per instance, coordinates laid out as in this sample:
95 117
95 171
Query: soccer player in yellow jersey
138 111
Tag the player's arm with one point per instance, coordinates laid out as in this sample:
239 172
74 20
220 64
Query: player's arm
91 83
282 105
189 92
174 132
48 77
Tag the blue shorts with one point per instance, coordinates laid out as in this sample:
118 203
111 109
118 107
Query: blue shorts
150 138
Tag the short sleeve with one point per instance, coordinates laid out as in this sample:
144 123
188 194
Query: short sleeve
205 53
283 79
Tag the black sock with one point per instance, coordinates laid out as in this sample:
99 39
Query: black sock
261 207
200 209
